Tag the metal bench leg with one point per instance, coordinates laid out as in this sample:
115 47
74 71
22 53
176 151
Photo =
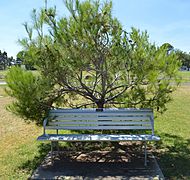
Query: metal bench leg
57 146
57 142
51 151
145 154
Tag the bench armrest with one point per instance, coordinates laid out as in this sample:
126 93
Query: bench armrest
44 124
152 123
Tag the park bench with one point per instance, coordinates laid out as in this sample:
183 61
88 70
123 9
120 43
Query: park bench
139 123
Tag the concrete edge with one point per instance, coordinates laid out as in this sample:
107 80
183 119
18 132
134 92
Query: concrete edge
161 175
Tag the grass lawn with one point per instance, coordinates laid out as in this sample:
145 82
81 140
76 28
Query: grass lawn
185 76
2 74
2 91
18 146
20 153
174 129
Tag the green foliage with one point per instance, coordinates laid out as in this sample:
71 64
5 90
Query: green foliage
89 55
152 70
184 58
32 94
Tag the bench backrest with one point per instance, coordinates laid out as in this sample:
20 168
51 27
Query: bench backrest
108 119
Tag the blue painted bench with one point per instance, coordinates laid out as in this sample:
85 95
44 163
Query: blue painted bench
141 121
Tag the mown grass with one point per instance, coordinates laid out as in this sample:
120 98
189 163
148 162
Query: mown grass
2 91
18 144
3 74
185 76
174 129
20 153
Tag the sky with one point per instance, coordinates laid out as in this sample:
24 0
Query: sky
166 21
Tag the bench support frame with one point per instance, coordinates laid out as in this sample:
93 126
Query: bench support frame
145 153
56 143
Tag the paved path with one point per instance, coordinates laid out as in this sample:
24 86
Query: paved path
102 166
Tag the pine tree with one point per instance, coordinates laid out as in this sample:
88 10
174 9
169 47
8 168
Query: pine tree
88 59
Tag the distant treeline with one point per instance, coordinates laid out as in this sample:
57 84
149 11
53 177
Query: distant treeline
185 59
6 62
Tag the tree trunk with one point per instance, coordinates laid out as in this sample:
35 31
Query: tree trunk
100 105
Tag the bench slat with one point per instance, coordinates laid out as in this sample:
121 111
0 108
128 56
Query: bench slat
86 114
89 119
112 110
95 118
97 137
99 123
98 127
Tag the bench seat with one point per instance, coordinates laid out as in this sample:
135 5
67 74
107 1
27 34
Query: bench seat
97 137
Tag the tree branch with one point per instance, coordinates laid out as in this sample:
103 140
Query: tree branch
117 87
115 96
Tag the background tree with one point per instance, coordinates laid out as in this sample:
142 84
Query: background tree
3 60
10 61
168 47
184 58
90 60
21 55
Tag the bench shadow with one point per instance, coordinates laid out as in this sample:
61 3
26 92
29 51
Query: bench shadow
74 156
173 154
173 157
106 160
78 159
93 165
